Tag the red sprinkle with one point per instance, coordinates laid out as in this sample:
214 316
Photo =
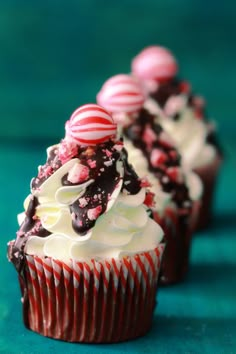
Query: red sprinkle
91 163
94 212
67 150
78 174
149 199
158 157
108 153
175 174
149 136
144 182
48 171
185 87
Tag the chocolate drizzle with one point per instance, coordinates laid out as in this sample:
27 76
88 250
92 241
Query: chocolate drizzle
52 164
176 87
170 88
147 135
101 163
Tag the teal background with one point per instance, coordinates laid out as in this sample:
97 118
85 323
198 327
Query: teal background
55 56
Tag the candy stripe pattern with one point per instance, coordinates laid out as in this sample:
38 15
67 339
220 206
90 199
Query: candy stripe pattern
103 301
121 93
154 63
90 125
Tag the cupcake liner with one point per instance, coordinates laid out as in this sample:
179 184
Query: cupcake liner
208 175
95 302
178 234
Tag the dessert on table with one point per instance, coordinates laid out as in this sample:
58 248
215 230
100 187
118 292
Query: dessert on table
182 114
177 193
88 251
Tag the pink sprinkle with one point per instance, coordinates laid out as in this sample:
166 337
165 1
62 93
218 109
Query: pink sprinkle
145 182
92 163
94 212
48 171
149 136
158 157
174 105
175 174
67 150
166 140
78 173
82 202
119 146
108 153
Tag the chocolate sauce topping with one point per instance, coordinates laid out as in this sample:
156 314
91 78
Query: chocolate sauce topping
147 135
30 226
100 163
172 87
176 87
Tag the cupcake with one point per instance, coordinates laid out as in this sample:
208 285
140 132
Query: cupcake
151 150
182 115
88 251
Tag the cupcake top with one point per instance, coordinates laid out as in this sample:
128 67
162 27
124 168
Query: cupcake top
151 149
181 113
86 201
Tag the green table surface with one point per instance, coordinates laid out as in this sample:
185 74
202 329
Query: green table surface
55 55
197 316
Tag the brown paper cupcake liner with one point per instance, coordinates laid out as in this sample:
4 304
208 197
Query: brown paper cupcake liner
95 302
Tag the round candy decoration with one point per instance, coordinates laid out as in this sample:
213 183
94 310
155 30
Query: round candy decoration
121 94
154 63
90 124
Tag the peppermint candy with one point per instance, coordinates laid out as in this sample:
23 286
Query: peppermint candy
121 94
90 124
154 63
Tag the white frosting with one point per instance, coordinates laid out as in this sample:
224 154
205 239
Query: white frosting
140 164
161 198
125 228
188 132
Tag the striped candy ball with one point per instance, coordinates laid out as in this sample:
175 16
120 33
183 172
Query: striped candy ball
90 124
121 94
154 63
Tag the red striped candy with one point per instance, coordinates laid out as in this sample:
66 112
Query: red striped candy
121 94
154 63
90 124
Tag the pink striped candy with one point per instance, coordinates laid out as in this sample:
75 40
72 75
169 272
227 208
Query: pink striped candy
90 124
121 94
154 63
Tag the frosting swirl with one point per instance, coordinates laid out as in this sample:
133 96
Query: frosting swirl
152 153
181 115
86 202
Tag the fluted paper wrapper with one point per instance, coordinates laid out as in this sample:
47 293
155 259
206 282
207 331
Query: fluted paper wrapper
178 235
208 175
95 302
